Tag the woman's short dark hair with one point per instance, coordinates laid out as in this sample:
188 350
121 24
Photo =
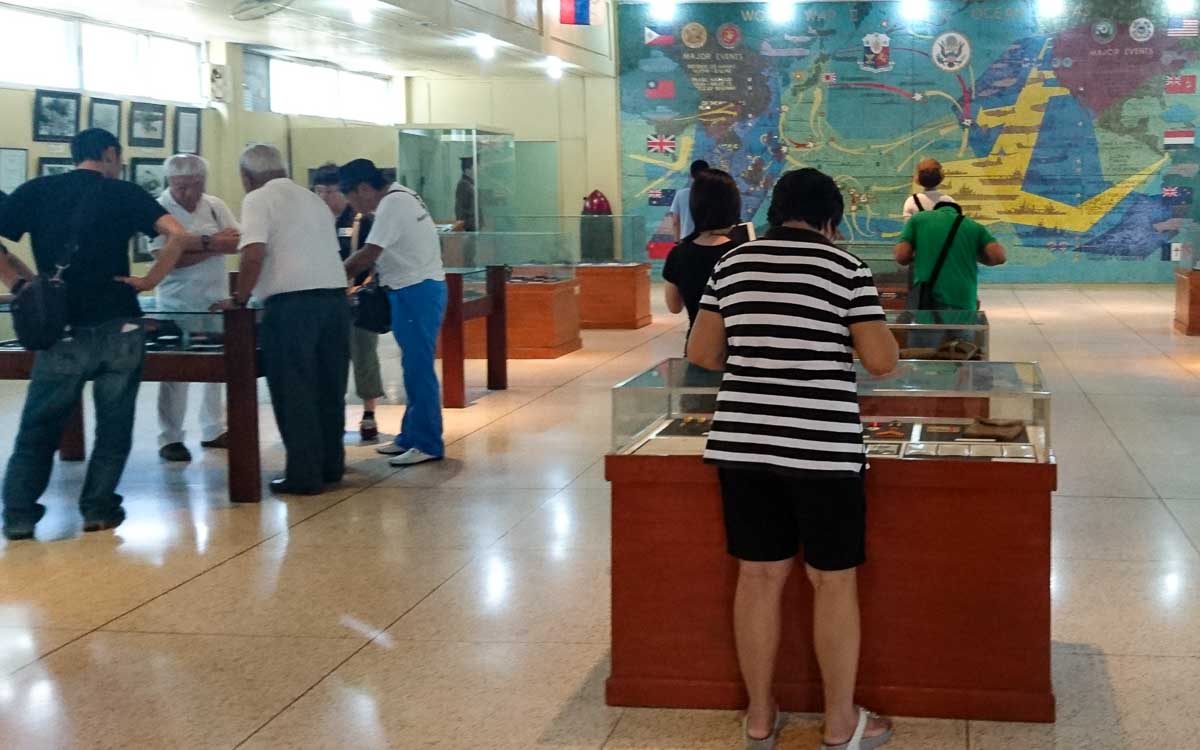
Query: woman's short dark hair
807 195
715 202
326 175
90 145
929 173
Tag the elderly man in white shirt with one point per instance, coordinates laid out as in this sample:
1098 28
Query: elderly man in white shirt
290 263
198 281
404 248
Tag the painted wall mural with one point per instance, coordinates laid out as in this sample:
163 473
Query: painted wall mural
1073 138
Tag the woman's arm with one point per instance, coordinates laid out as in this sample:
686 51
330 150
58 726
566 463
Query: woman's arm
674 298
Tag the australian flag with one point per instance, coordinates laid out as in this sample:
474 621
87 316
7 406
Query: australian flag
662 197
1174 195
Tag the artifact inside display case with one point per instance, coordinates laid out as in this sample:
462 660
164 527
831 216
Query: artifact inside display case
1004 408
892 280
940 334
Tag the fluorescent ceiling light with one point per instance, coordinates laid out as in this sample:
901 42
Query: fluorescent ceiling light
915 10
1179 7
781 11
663 10
554 67
360 12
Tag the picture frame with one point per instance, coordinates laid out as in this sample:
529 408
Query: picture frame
106 114
188 126
52 165
147 125
14 168
149 174
55 116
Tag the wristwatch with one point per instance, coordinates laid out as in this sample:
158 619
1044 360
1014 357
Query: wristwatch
205 241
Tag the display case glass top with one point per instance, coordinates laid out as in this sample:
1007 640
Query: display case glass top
994 411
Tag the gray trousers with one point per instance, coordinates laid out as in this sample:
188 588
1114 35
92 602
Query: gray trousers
306 355
364 355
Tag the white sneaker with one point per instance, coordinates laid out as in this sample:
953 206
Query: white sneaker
412 457
390 449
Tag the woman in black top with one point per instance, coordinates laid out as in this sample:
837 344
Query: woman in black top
716 207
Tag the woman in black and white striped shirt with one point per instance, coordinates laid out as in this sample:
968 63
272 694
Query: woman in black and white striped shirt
783 317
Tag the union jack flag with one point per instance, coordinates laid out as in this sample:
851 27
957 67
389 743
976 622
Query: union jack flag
660 144
1170 192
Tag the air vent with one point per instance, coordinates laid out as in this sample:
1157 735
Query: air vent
252 10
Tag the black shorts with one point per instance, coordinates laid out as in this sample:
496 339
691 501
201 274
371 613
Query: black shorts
769 516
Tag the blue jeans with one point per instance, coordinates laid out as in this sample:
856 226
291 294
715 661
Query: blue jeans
112 358
417 313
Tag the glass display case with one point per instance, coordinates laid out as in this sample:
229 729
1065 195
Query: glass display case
587 239
891 279
550 255
431 161
667 410
940 334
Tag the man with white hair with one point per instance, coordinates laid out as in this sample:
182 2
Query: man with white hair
290 263
198 281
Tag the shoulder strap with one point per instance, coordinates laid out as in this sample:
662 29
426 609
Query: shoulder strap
941 261
917 200
76 228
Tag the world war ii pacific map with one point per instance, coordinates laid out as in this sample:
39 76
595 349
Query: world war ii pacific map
1073 139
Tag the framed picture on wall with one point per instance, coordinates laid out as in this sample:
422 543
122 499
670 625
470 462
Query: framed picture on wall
147 125
106 114
52 165
55 116
14 168
150 174
187 130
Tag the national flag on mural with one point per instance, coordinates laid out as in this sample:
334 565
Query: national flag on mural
662 197
575 12
660 144
659 37
659 247
660 89
1179 138
1174 195
1180 85
1183 27
829 77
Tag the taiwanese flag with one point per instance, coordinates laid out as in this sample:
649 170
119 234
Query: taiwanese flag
575 12
660 89
659 247
1180 85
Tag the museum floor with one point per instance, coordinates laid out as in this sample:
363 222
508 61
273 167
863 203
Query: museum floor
465 604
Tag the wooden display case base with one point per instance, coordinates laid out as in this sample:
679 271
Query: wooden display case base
614 296
1187 302
543 322
955 594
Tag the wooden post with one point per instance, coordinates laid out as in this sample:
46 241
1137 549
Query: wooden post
497 329
454 378
72 446
241 404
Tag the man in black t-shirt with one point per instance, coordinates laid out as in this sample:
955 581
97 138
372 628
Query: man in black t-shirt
94 212
353 229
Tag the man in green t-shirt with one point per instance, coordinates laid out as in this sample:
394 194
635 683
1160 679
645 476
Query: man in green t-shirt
922 240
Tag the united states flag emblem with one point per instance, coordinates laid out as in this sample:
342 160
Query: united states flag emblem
660 144
1183 27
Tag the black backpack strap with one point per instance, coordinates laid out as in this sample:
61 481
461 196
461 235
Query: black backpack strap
917 201
941 261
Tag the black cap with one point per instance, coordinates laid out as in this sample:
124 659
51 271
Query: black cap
354 173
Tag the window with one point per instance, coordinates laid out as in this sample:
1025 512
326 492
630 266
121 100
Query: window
37 50
323 91
122 62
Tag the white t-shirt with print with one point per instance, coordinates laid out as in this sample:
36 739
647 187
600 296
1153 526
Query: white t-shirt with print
412 251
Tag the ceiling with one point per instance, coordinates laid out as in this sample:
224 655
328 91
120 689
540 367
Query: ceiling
393 42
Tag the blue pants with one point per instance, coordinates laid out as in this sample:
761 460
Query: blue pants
417 313
112 359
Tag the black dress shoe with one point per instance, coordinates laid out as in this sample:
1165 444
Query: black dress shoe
176 452
220 441
103 525
282 486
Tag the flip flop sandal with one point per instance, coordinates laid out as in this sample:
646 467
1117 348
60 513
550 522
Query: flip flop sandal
858 741
768 742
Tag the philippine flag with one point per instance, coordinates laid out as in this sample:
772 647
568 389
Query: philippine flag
658 37
575 12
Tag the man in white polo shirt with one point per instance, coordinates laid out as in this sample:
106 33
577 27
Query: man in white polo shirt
198 280
405 250
290 263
